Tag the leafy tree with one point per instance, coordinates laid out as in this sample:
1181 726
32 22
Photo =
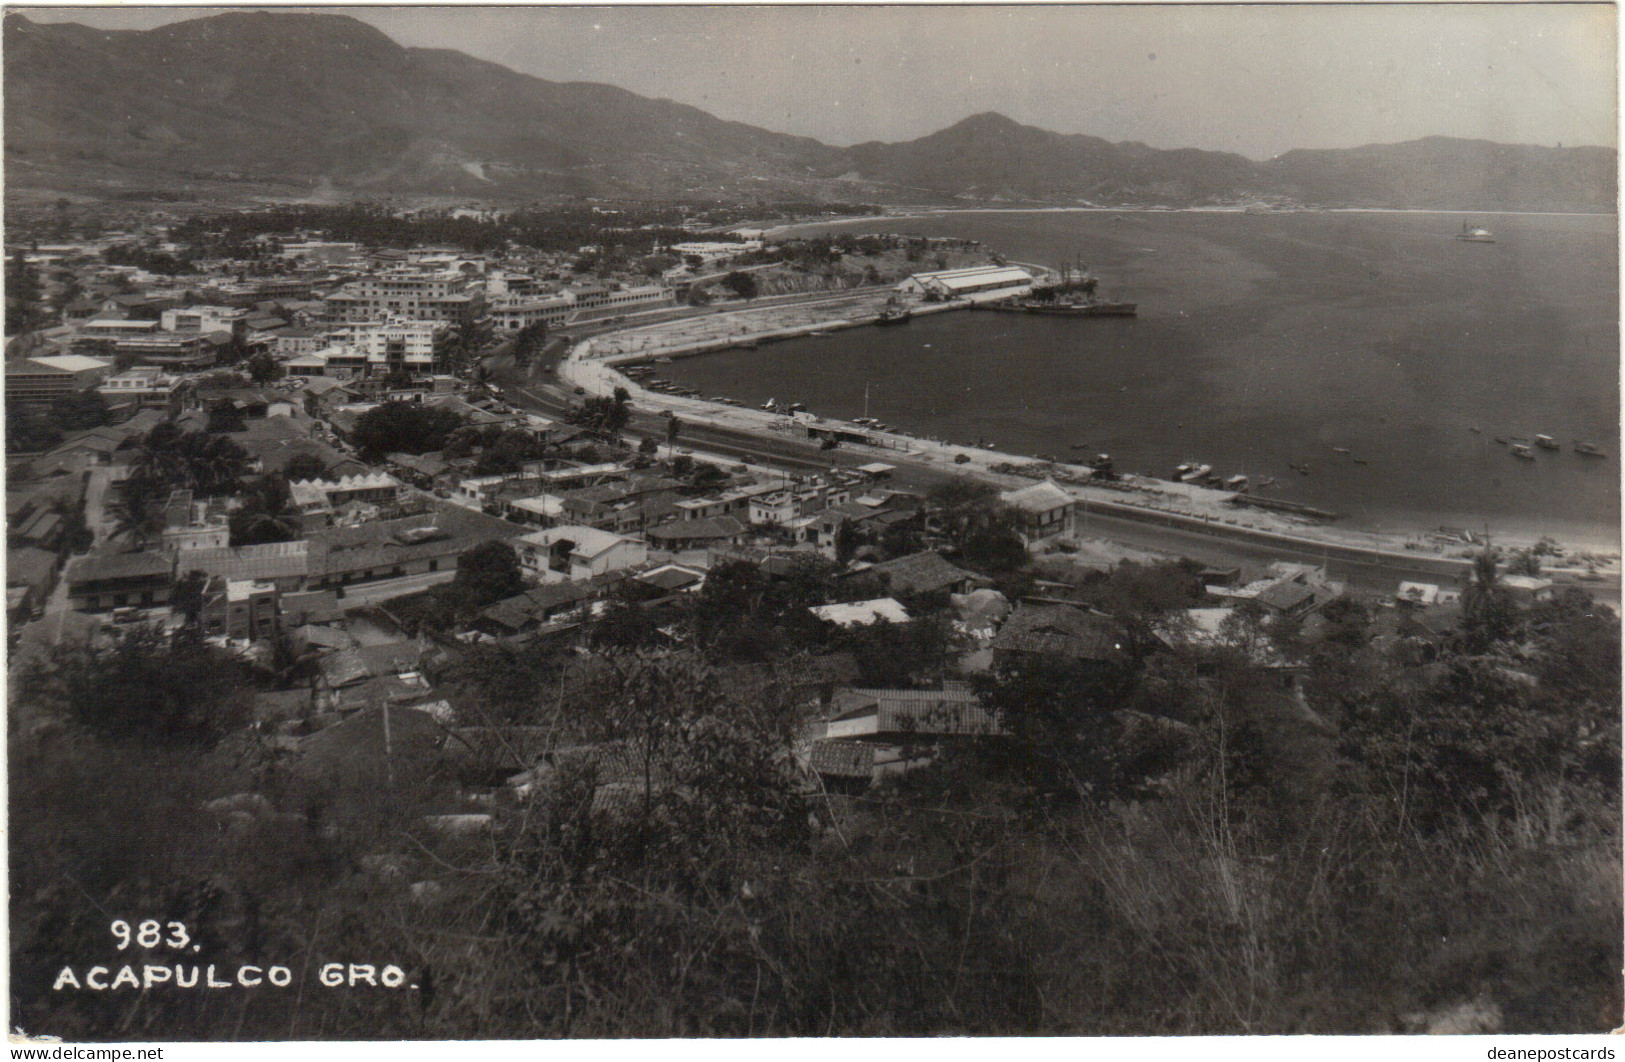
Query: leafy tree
146 689
1488 613
486 574
186 597
265 514
991 543
80 410
302 467
24 309
508 453
1066 737
204 463
847 540
225 417
899 655
602 413
741 284
674 427
528 342
404 427
30 429
264 369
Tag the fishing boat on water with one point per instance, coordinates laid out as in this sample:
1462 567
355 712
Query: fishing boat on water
1472 234
1546 442
1588 449
893 313
1520 450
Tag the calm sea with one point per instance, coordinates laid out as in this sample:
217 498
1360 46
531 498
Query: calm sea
1265 341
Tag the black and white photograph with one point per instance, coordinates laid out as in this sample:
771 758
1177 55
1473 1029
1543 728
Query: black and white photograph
795 521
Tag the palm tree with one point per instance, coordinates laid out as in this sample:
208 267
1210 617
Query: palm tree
1487 611
137 516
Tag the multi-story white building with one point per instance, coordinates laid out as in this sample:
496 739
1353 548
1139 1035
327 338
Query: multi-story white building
146 385
571 552
446 296
203 319
510 313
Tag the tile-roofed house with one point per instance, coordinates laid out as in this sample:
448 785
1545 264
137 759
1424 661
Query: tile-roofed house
1060 630
543 605
346 667
1287 596
697 534
426 465
673 578
901 715
412 545
504 749
108 579
924 573
852 766
287 564
372 746
32 569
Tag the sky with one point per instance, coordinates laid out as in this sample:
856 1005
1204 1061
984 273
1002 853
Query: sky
1257 80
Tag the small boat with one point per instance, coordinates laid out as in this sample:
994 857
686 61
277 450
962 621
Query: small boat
1361 461
1469 234
1501 439
1101 463
1476 431
1197 473
1340 449
662 360
1267 481
770 405
1302 470
1236 483
1587 449
894 313
1546 442
797 407
1522 451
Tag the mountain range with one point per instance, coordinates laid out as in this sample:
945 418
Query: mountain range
300 101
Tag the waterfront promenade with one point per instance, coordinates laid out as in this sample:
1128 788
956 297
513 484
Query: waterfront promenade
592 365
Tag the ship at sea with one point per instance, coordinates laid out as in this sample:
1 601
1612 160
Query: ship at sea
1079 308
1470 234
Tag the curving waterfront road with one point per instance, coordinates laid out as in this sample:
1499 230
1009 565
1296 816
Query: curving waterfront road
1376 572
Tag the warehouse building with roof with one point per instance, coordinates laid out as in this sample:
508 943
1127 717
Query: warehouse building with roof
978 283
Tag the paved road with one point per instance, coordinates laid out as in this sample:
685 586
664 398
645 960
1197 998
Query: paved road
359 594
1363 570
96 502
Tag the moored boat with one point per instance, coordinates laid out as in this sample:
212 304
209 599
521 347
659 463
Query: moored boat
1588 449
1546 442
